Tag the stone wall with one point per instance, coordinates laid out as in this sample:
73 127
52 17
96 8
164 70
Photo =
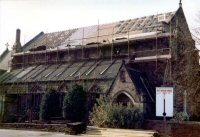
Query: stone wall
10 108
125 86
183 47
175 129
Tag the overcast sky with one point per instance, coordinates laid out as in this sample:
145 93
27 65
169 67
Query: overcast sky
34 16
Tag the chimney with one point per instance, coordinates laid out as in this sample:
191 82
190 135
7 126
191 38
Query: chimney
18 36
180 3
17 46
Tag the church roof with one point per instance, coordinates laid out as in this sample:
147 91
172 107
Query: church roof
100 72
103 34
88 70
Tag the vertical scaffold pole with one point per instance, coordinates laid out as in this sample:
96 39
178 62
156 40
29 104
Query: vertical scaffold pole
68 45
128 47
170 51
82 43
111 51
157 43
98 40
46 50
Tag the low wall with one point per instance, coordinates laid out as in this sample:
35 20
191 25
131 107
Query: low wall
175 129
34 126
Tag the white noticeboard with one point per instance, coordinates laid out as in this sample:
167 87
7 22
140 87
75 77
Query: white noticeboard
164 93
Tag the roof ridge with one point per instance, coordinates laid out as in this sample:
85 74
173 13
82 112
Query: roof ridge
173 12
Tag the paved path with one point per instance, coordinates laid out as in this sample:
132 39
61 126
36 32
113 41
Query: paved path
22 133
108 132
92 132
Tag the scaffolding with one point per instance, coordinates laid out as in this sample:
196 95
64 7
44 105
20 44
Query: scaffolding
107 36
95 37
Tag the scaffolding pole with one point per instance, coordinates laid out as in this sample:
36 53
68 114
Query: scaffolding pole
157 43
111 51
68 45
24 59
34 60
128 47
46 50
82 44
98 40
170 51
57 56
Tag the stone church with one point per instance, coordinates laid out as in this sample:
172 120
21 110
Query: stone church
126 60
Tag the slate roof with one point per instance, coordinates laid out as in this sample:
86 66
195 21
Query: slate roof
88 70
100 72
102 34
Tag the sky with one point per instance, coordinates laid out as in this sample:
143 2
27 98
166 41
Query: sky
34 16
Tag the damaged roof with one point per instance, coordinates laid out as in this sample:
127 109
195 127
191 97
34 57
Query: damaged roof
102 34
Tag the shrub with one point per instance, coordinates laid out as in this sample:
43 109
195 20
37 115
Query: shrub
49 105
75 104
108 114
179 116
99 115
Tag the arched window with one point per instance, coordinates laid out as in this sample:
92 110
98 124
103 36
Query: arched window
36 89
62 88
124 98
93 95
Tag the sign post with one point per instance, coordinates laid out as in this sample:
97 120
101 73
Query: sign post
164 113
164 103
185 105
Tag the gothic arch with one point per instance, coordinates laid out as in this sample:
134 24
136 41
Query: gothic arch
92 96
62 88
124 97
